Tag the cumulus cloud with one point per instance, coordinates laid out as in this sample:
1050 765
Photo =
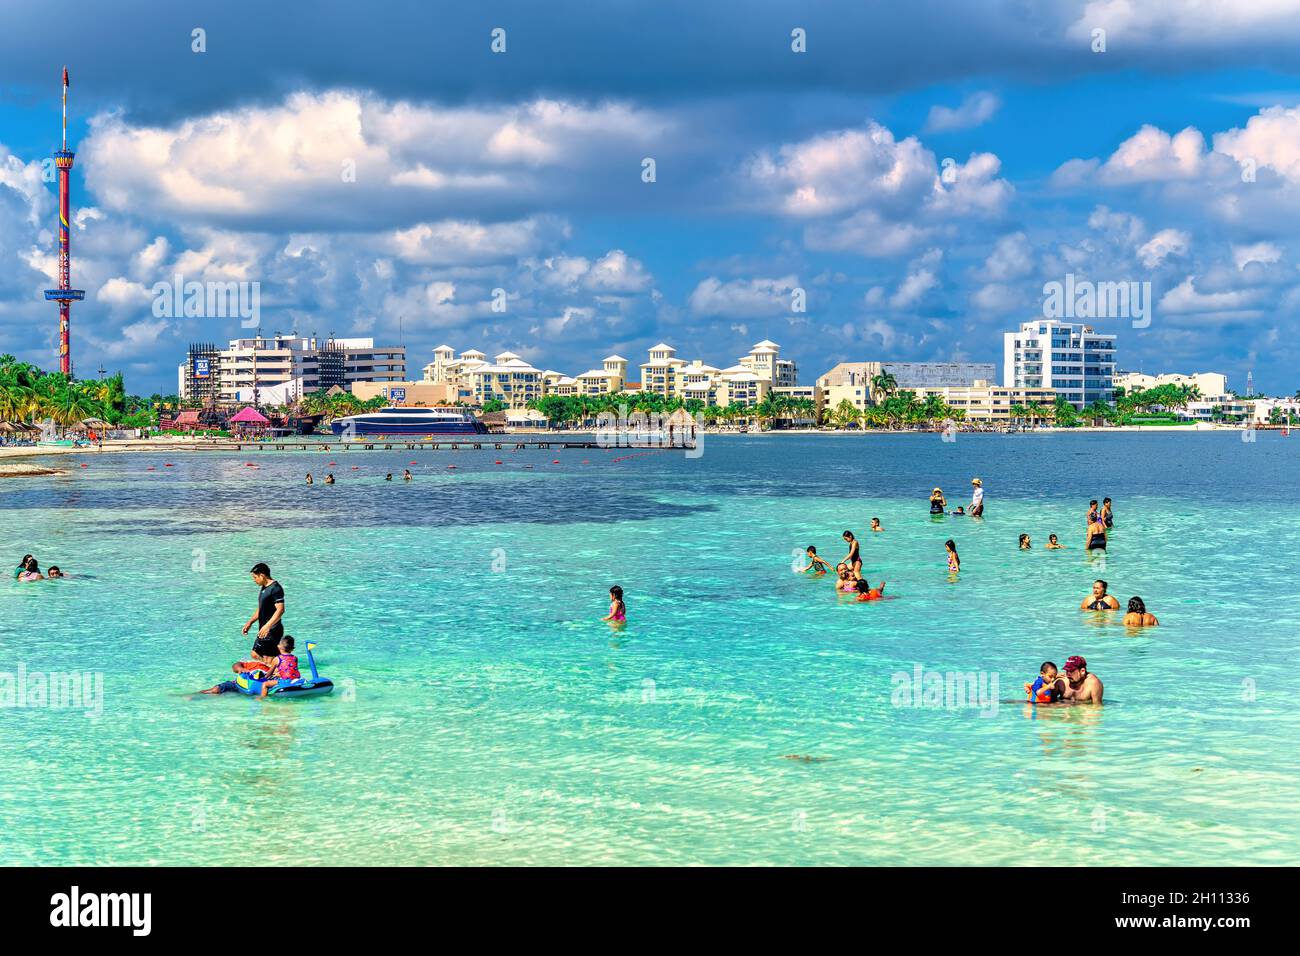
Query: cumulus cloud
1165 243
742 298
345 157
975 110
864 191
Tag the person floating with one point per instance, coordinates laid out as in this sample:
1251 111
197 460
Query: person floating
1099 600
1138 615
22 566
847 583
309 481
977 499
617 609
329 478
875 525
406 474
1048 687
954 562
269 614
30 570
388 477
938 504
1082 687
53 572
1053 544
1025 543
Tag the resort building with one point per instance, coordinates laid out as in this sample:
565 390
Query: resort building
419 394
765 361
907 375
988 403
659 375
611 377
302 364
1069 358
1211 385
509 379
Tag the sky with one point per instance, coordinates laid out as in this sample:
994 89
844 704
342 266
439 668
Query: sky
855 181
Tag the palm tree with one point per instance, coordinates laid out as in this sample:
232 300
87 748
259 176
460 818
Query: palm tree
883 385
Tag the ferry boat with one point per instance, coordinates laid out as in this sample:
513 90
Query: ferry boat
410 421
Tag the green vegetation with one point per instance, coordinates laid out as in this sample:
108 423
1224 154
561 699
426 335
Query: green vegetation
28 394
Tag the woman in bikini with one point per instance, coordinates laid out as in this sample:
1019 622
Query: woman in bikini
854 559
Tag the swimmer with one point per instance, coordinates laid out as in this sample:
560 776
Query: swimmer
53 572
1095 538
1138 615
977 499
938 504
875 525
30 571
309 481
1081 686
847 583
1048 687
815 564
1024 543
284 667
617 609
22 566
1107 516
406 474
959 513
1099 600
329 479
1053 544
388 477
954 562
868 593
854 558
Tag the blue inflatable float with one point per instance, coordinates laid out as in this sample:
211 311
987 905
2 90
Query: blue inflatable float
314 686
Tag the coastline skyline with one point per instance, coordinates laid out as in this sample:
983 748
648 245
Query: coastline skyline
914 217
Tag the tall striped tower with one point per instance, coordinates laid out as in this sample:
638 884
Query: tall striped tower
64 294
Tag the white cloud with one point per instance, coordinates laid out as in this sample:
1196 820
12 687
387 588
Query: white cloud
1165 243
975 110
1265 253
742 298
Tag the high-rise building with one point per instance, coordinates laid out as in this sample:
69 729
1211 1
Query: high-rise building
246 366
1070 358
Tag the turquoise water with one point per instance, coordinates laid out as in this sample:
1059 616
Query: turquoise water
486 716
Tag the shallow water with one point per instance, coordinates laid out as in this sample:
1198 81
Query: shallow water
485 715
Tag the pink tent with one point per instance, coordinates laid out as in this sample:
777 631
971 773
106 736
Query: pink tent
249 416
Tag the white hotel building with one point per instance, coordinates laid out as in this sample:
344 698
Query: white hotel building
1072 359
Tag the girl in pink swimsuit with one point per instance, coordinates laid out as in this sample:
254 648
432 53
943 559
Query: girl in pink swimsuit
617 609
284 668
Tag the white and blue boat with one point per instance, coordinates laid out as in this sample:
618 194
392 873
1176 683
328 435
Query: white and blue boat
401 420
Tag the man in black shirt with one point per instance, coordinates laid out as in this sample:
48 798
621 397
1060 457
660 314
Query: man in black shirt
269 615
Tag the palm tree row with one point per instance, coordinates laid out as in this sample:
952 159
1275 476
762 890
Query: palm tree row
30 395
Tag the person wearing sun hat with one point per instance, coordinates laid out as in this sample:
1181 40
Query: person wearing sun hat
977 499
1081 687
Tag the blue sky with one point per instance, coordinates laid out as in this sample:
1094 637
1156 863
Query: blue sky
775 171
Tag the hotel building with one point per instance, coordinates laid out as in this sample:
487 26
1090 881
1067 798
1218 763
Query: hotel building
1212 385
1069 358
988 403
851 381
290 365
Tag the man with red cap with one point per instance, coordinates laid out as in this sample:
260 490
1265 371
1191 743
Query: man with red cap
1081 687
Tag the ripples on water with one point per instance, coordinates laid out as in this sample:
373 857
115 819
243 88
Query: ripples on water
486 716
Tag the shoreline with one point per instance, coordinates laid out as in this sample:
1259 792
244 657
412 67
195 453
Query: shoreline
163 445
